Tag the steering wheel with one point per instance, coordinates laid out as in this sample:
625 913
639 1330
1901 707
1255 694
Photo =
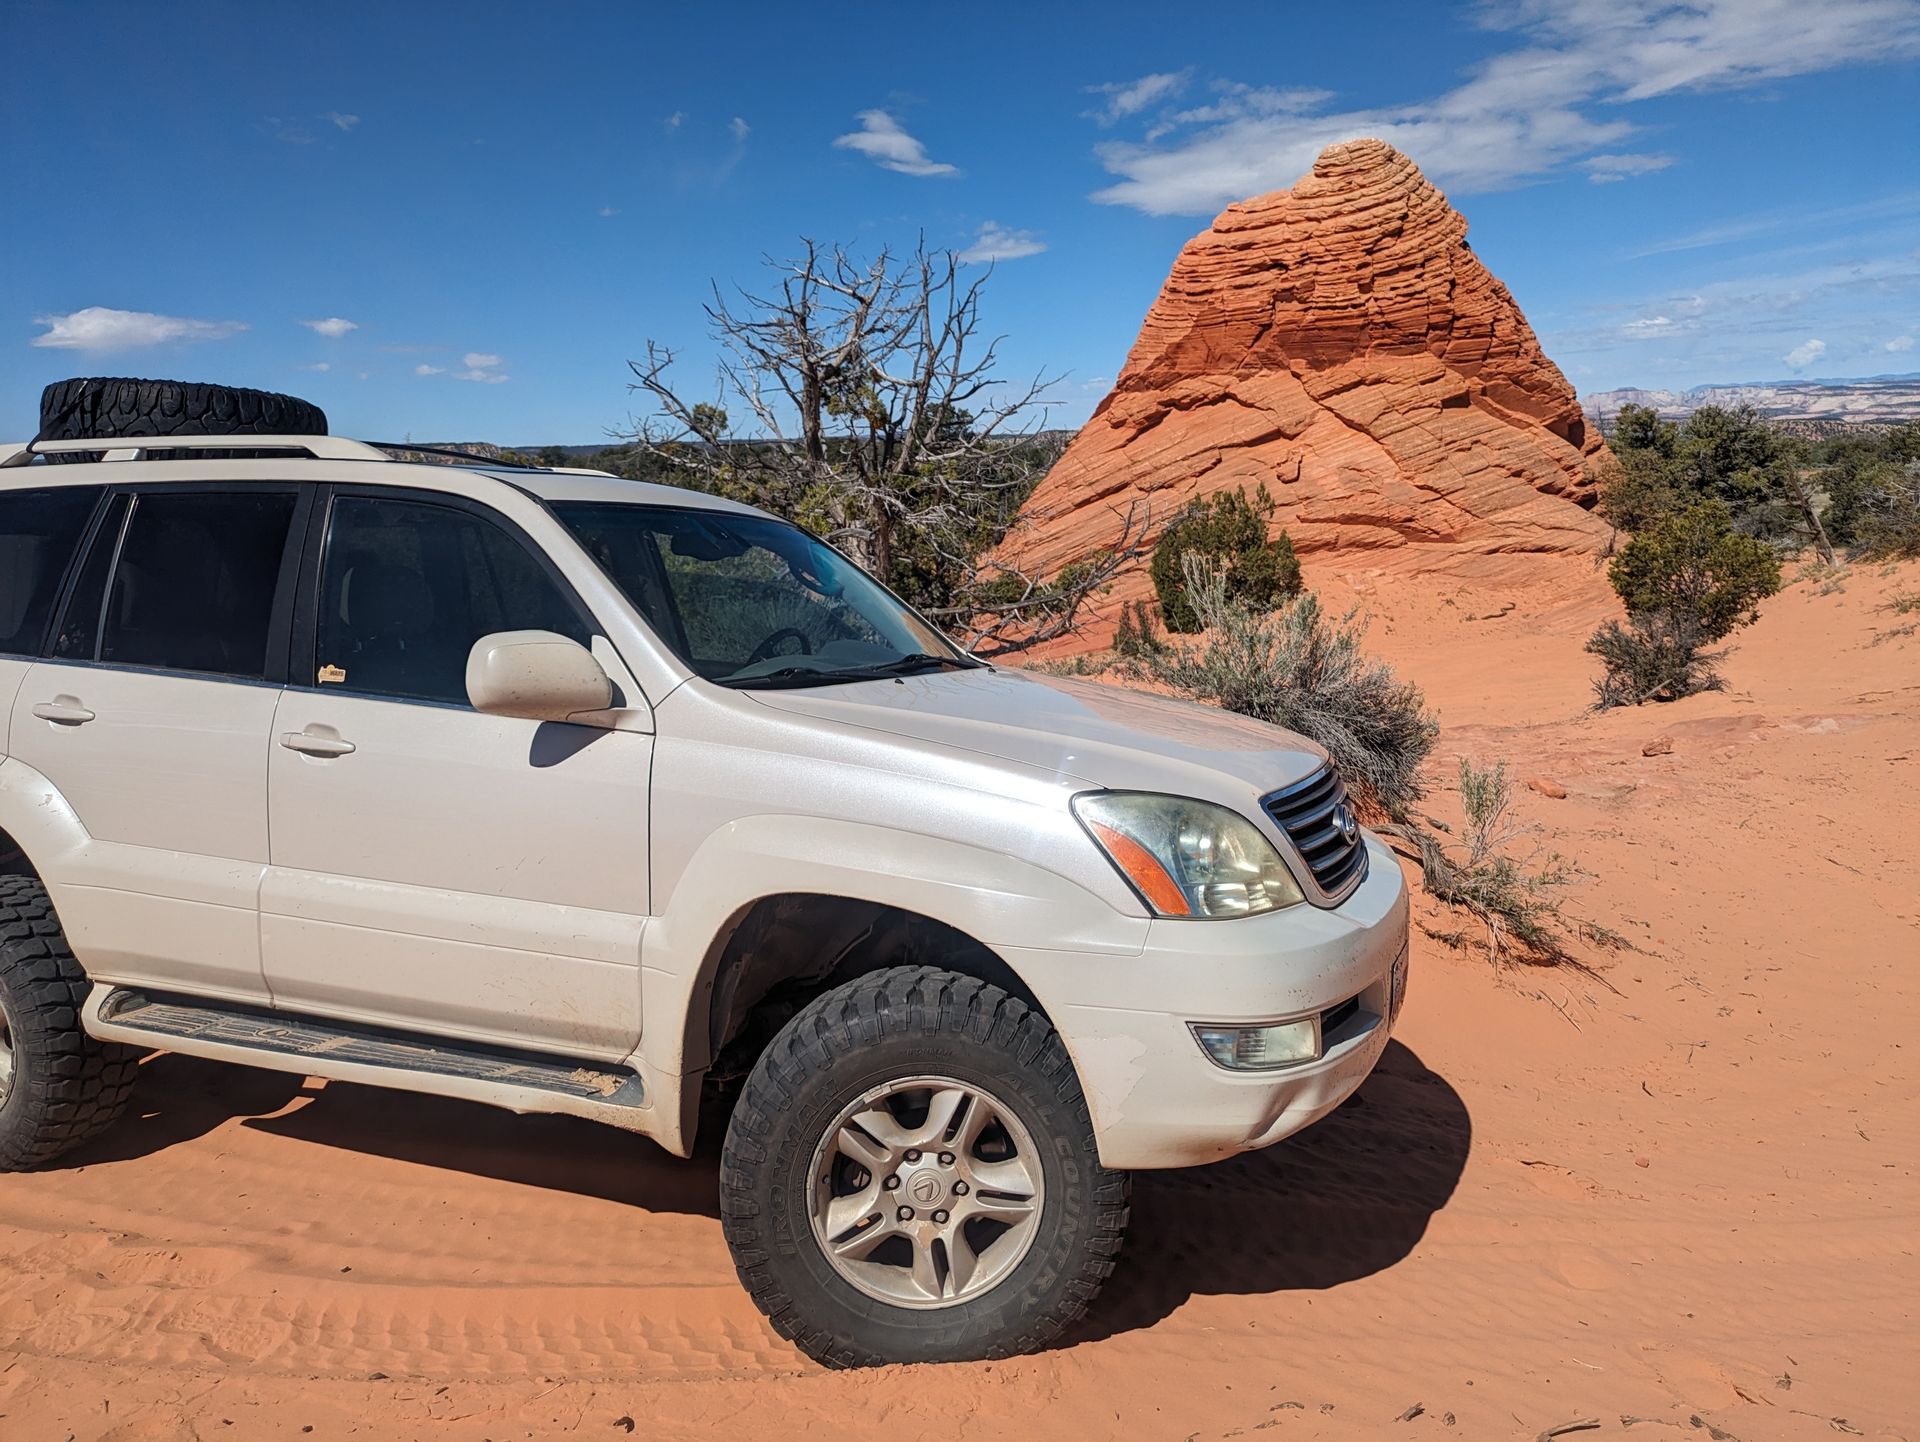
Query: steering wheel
765 649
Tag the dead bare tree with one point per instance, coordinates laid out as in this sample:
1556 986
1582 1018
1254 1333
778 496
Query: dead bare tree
875 417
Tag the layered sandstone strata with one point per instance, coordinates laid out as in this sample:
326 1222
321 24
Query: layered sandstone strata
1340 342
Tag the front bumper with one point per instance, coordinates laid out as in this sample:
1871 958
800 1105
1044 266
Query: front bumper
1157 1099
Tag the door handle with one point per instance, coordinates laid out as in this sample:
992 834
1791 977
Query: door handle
64 711
307 744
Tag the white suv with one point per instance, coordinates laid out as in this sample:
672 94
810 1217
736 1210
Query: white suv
564 793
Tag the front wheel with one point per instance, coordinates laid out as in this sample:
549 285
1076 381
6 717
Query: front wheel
910 1176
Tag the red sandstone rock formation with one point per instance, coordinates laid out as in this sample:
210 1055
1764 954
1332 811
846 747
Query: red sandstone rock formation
1341 342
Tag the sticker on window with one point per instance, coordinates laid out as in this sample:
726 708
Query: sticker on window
333 676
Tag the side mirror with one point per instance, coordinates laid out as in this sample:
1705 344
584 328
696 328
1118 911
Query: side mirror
536 676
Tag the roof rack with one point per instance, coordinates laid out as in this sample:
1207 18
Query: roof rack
319 448
134 448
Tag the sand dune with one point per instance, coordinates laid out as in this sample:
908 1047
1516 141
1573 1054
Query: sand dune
1692 1199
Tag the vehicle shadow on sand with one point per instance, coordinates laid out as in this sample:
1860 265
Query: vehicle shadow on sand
181 1098
1346 1198
1342 1200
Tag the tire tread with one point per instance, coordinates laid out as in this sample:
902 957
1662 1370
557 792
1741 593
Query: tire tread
79 1086
927 1001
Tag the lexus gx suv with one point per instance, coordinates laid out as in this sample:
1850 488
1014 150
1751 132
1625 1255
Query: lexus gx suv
564 793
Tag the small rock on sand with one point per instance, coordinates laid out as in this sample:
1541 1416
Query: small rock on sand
1659 746
1548 788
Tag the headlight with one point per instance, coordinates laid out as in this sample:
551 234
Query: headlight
1188 858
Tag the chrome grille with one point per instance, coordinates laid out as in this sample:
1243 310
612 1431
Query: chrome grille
1312 813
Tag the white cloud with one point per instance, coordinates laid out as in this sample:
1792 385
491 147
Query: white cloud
997 242
1558 96
482 368
322 366
882 141
1789 218
333 327
423 369
1805 354
674 121
341 122
607 212
1900 343
1607 169
1648 325
739 129
99 327
1129 97
292 132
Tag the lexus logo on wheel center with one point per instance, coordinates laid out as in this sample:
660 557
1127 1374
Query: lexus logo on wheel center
925 1188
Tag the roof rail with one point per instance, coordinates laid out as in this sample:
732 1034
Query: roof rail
472 458
134 448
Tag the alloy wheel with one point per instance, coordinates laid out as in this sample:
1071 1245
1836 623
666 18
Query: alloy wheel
927 1192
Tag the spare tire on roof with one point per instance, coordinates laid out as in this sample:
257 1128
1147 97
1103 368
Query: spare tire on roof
112 408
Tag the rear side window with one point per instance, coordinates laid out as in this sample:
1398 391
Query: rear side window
195 585
39 531
408 587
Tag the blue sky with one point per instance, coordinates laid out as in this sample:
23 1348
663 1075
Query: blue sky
459 221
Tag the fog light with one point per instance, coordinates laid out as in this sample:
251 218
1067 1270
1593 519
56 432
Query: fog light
1261 1048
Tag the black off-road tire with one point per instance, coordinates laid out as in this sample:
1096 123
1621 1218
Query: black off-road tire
115 407
904 1023
66 1087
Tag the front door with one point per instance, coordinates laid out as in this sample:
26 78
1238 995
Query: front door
150 716
434 869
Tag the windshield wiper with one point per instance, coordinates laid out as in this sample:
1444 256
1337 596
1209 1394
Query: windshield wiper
923 661
796 676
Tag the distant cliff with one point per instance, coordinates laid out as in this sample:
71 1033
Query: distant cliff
1875 399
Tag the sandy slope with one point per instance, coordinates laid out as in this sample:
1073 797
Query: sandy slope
1693 1199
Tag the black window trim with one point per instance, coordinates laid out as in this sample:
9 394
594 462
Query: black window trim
304 641
71 575
279 622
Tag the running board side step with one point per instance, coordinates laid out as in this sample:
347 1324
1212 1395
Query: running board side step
519 1081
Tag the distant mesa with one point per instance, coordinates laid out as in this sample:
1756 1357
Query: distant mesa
1867 401
1340 342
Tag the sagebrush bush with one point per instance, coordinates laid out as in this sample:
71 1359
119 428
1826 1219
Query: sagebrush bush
1300 668
1514 895
1231 530
1687 581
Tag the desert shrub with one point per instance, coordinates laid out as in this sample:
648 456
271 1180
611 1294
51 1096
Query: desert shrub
1637 489
1231 529
1135 638
1513 895
1687 581
1650 658
1733 456
1886 522
1300 668
1693 564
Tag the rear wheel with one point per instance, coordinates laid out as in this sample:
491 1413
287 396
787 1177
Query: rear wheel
910 1176
58 1086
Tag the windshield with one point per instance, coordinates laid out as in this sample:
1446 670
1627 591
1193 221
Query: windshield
749 601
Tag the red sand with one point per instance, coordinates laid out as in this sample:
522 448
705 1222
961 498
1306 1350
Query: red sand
1694 1199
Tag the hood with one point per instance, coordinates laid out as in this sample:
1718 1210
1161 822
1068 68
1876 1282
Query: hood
1079 730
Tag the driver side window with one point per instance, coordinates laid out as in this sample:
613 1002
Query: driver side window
406 589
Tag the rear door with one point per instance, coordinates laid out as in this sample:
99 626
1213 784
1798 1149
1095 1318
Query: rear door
151 715
434 869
